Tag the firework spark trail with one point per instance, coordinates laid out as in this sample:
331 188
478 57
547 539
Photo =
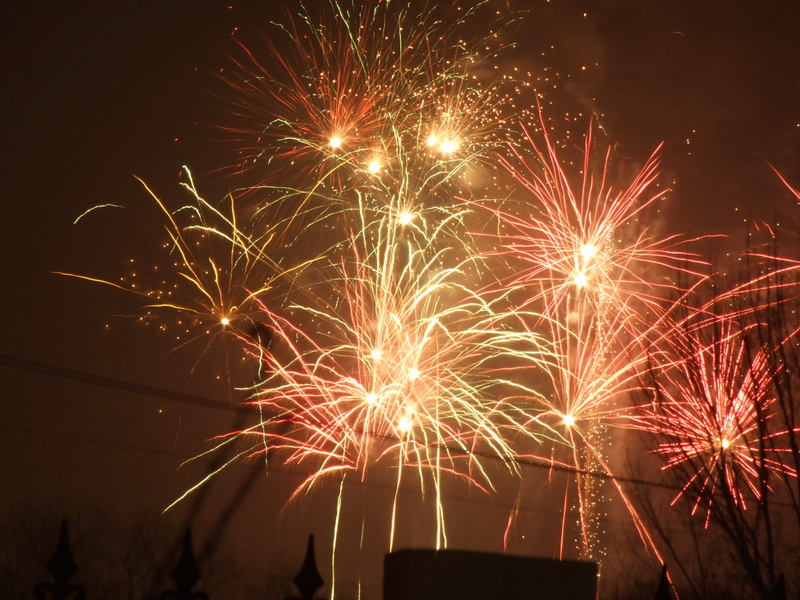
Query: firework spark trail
775 282
713 411
393 360
582 391
714 408
389 341
215 275
346 94
601 285
378 120
379 350
573 242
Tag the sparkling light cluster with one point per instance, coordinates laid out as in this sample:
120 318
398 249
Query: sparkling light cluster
713 411
429 282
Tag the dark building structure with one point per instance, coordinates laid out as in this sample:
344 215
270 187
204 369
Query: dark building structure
465 575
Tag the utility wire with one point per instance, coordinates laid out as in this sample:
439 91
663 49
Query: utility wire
118 384
161 393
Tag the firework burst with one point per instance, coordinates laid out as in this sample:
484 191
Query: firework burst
403 324
600 284
214 275
367 86
389 358
713 411
586 243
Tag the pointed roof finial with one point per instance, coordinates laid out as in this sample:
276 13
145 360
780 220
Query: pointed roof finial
186 574
308 580
62 565
663 591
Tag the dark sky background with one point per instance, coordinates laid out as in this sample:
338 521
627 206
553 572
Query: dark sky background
95 93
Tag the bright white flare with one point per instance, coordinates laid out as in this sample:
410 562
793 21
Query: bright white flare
448 146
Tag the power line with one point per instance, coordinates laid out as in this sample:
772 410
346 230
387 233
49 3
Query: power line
170 395
126 386
93 440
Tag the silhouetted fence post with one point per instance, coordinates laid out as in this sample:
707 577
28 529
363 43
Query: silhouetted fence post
663 592
62 567
185 574
308 580
780 592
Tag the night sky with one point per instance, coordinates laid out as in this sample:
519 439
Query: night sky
97 93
